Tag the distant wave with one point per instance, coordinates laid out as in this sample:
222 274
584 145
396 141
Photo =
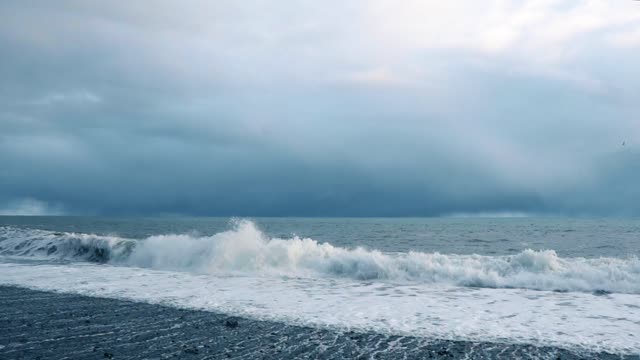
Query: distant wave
245 249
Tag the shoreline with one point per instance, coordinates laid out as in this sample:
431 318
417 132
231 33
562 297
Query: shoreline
44 325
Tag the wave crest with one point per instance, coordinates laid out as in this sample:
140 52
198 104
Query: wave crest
245 249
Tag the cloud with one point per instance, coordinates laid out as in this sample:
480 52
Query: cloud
626 39
68 98
365 108
30 207
376 76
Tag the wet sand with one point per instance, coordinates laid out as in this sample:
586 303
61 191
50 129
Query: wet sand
46 325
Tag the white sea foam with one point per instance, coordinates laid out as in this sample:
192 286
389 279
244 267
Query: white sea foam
246 250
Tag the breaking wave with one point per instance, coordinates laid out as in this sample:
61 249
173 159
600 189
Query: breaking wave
245 249
63 245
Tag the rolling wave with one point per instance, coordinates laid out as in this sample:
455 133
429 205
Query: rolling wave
246 250
63 245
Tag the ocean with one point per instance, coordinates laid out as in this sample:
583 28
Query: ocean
557 284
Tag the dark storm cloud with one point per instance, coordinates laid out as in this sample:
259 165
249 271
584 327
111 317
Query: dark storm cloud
216 109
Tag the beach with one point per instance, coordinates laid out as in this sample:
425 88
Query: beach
49 325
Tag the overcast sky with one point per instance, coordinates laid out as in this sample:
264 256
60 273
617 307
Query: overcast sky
320 108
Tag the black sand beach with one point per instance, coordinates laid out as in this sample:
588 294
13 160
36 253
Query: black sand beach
44 325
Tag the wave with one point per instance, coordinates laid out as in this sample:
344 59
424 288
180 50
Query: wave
245 249
63 245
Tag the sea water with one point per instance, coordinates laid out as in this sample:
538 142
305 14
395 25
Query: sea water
568 283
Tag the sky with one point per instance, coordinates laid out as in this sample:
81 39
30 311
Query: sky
320 108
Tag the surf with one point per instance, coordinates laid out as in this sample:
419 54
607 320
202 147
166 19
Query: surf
245 250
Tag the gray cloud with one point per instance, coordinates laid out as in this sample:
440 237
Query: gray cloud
257 109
